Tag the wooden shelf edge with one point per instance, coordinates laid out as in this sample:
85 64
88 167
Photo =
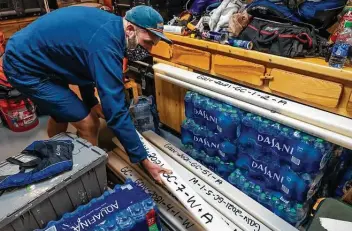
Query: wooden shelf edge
312 65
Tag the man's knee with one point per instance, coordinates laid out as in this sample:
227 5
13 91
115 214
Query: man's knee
89 124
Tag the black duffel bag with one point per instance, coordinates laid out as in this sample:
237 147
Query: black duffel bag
284 38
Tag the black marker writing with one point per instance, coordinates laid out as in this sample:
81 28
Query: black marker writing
169 178
208 216
191 201
187 224
242 90
180 188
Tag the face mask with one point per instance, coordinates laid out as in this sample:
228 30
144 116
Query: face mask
139 53
135 51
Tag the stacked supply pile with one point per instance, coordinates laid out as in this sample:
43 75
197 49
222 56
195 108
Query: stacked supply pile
210 132
127 207
276 165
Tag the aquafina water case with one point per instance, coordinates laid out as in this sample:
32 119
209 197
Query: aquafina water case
126 208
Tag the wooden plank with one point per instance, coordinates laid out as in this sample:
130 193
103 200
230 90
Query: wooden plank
156 60
191 41
312 65
191 57
9 30
349 104
163 50
306 88
9 27
17 20
238 70
169 99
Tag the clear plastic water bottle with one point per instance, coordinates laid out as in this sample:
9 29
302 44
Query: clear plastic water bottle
99 228
300 211
265 128
291 216
263 200
247 140
189 104
342 46
148 205
257 190
280 211
209 162
234 177
194 154
287 142
137 212
293 186
199 135
201 157
227 151
110 226
244 162
314 156
228 126
187 149
187 132
124 220
212 143
274 203
212 109
247 189
241 182
224 169
200 102
299 156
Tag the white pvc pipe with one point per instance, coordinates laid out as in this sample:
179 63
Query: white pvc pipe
325 134
201 211
124 156
246 204
218 201
167 205
319 118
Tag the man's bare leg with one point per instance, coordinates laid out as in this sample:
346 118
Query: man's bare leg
55 128
88 128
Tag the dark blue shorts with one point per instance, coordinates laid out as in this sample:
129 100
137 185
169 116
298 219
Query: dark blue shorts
53 97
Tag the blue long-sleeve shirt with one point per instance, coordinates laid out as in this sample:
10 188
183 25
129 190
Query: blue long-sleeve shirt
84 46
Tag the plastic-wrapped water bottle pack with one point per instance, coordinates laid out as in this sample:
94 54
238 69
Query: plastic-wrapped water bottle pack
125 208
276 165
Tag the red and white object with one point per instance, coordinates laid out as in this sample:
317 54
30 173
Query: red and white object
19 114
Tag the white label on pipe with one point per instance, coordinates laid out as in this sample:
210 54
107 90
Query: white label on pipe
217 200
298 111
190 199
168 207
258 213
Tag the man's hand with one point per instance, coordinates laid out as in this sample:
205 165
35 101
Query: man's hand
155 170
98 111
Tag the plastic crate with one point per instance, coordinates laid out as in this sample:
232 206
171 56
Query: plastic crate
30 208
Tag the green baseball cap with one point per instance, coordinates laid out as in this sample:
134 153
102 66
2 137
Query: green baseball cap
149 19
